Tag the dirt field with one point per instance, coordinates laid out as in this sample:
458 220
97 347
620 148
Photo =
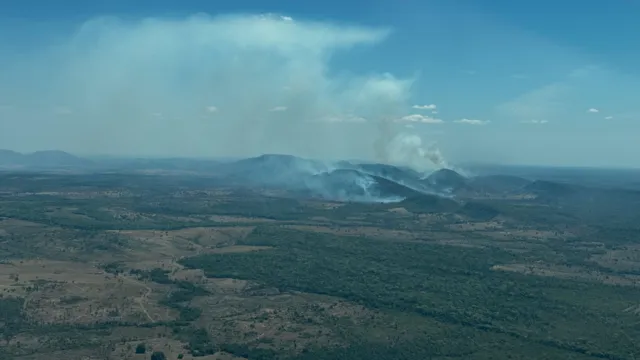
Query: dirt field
362 231
570 272
69 292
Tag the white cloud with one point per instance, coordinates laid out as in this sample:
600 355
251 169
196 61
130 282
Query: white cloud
472 121
343 119
425 107
608 117
534 121
286 18
278 108
418 118
211 109
593 110
434 112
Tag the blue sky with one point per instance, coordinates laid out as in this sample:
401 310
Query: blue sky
522 82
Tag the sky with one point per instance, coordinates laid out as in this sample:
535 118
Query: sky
425 83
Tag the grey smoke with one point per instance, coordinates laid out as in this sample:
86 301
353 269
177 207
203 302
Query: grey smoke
204 86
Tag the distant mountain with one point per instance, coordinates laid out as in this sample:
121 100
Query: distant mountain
269 169
353 185
10 158
55 158
49 159
343 180
372 187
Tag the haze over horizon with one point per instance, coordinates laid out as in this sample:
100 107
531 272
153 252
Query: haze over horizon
417 83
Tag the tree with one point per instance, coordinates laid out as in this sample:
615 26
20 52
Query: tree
158 355
141 348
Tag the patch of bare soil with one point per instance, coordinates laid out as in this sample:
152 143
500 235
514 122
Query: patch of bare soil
363 231
238 249
239 219
322 205
127 214
173 244
280 321
460 243
204 236
635 309
570 272
623 259
400 211
172 349
13 225
428 219
528 234
227 285
476 226
69 292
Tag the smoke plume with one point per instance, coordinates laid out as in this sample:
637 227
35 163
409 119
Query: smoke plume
237 85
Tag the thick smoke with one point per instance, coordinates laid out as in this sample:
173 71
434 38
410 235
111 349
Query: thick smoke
399 147
238 86
408 149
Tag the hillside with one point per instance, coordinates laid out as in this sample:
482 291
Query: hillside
446 180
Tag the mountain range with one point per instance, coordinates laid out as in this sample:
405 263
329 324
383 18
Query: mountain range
342 180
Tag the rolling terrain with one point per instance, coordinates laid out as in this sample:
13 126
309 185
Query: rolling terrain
277 257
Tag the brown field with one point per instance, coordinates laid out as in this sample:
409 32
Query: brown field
362 231
238 219
625 260
570 272
69 292
186 241
476 226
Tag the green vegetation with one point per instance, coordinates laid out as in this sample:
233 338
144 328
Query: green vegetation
11 316
453 286
312 295
158 355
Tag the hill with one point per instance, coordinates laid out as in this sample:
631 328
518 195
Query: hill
446 180
269 169
9 158
48 159
343 181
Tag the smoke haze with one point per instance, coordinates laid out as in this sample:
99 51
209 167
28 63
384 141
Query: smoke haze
238 85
